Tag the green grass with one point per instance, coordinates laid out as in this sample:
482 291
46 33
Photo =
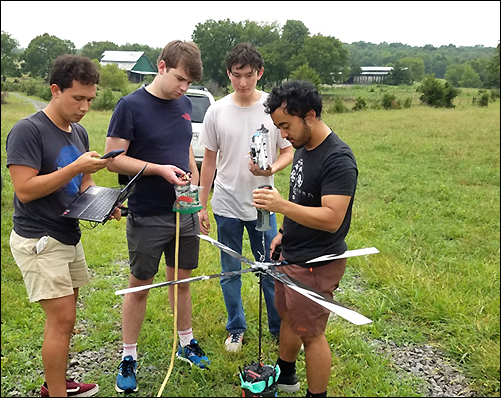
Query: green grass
427 198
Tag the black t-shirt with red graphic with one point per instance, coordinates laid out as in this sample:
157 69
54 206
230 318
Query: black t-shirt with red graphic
159 132
328 169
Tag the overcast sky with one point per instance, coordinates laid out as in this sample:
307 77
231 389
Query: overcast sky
416 23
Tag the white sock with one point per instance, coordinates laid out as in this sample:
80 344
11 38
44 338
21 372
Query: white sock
185 336
130 349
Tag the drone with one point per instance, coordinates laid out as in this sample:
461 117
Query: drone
270 268
258 379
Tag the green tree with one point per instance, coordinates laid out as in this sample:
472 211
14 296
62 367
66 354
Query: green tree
453 74
95 49
10 60
304 72
274 66
215 39
260 34
493 71
97 63
415 67
113 77
328 57
400 75
42 52
294 34
470 78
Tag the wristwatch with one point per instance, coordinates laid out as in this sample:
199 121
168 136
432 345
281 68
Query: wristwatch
281 231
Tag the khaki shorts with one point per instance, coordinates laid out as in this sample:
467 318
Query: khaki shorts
308 318
52 273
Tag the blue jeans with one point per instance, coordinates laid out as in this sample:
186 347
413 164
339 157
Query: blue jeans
230 233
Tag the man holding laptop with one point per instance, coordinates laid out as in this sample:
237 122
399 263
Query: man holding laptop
50 165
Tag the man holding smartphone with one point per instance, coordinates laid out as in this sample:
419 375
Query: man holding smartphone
50 164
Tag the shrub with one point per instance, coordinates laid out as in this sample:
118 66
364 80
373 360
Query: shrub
337 106
105 100
4 98
113 77
361 104
31 89
494 95
389 101
44 93
484 99
407 103
305 72
435 94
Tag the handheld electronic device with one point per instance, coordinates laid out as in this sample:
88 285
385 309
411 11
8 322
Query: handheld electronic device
113 154
259 148
263 216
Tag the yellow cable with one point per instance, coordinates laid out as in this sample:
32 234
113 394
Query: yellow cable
174 345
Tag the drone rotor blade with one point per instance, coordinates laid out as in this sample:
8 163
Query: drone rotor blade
346 254
192 279
327 302
226 249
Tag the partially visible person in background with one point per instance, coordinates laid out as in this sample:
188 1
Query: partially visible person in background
228 128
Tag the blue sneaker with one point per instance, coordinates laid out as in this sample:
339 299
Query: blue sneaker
193 354
126 379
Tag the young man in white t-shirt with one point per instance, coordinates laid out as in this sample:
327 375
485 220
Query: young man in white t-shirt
228 128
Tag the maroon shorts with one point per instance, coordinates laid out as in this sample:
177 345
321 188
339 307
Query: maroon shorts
308 318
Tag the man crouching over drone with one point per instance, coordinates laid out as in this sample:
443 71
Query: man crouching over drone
317 218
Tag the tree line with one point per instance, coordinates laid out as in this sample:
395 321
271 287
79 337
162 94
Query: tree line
289 52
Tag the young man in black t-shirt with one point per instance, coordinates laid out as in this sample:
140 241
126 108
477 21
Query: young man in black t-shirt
317 218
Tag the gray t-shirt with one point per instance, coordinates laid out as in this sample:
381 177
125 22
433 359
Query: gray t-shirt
37 142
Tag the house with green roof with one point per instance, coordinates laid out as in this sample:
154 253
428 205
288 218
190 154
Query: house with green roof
135 63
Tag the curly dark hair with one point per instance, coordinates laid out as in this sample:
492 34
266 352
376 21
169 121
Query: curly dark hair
298 98
71 67
244 54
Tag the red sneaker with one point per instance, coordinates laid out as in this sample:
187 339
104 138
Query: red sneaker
74 389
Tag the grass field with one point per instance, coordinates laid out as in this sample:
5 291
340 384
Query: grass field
428 198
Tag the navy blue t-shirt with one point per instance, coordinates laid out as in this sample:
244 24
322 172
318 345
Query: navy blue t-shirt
159 132
328 169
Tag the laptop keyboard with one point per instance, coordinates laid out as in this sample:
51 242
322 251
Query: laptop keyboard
101 205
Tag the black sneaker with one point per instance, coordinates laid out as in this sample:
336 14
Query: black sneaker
288 383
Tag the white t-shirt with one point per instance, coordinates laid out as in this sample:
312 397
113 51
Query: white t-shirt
228 128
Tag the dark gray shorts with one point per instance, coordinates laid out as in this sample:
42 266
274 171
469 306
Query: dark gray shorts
149 237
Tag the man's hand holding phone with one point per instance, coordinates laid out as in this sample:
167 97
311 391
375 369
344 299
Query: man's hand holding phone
113 154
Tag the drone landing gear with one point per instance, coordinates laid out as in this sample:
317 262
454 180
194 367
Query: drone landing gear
259 380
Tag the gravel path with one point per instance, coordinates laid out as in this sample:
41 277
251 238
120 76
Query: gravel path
39 105
441 376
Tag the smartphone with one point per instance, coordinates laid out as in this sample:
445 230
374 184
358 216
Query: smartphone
113 154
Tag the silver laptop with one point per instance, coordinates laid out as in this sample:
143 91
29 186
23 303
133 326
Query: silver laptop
97 203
